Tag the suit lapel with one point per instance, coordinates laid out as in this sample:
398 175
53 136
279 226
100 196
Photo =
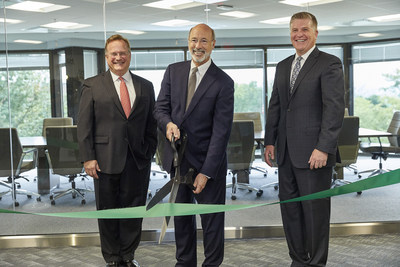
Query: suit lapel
138 90
110 88
311 60
208 79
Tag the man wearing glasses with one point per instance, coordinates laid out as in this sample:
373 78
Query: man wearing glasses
117 140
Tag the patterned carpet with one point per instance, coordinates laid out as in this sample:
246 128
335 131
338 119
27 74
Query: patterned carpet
354 251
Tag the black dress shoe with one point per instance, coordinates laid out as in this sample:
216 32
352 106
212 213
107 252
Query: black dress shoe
112 264
130 263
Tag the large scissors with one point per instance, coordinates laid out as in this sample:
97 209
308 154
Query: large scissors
172 186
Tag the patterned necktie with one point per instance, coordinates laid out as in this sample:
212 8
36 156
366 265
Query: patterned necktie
191 87
295 73
125 101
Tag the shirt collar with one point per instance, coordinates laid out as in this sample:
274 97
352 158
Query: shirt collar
305 56
127 76
202 68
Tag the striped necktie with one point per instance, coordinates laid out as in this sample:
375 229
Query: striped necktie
295 73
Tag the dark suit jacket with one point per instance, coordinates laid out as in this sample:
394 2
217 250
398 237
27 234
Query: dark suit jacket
312 116
104 132
207 121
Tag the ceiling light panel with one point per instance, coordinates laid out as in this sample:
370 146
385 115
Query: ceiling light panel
11 21
387 18
63 25
277 21
36 6
304 3
370 34
238 14
27 41
131 32
175 23
174 4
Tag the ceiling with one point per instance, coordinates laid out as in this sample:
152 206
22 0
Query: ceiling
349 17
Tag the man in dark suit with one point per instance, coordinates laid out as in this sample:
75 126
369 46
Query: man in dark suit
304 118
207 120
117 136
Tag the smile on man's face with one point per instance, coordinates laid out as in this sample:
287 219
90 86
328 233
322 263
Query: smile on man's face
118 57
303 35
201 44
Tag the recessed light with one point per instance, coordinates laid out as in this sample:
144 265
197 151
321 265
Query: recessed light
36 6
387 18
238 14
27 41
131 32
65 25
370 34
175 23
283 20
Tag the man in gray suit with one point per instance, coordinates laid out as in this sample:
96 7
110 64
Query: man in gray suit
117 139
304 118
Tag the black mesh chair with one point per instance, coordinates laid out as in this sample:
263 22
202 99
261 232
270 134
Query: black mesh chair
63 156
19 164
240 156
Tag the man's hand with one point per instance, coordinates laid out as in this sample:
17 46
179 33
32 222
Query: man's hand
318 159
172 130
91 168
199 183
269 154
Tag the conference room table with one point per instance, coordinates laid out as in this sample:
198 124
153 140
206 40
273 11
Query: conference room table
45 181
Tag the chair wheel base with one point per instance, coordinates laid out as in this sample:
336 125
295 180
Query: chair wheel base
233 197
259 193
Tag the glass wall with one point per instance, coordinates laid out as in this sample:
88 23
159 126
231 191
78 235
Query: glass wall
38 82
376 76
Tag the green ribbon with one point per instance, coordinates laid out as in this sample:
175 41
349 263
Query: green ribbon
180 209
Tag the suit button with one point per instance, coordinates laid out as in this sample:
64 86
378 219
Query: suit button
288 110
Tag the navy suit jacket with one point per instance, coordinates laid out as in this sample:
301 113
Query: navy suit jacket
207 121
104 132
312 116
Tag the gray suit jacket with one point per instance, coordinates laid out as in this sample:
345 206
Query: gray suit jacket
104 132
312 116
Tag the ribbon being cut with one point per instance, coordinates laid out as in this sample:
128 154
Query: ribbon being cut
175 209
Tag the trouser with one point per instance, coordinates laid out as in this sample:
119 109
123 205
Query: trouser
120 237
306 223
212 225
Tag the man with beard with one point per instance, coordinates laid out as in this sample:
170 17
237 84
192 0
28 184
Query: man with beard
197 97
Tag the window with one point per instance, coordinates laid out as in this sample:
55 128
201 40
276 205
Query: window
376 75
28 81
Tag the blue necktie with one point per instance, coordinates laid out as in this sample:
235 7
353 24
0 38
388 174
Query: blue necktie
295 73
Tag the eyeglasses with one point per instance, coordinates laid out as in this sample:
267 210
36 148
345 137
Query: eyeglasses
121 54
202 41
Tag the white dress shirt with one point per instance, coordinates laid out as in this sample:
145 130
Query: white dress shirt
129 84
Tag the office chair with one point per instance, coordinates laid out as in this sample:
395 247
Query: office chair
63 156
348 145
256 118
20 164
56 121
157 156
240 153
380 151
